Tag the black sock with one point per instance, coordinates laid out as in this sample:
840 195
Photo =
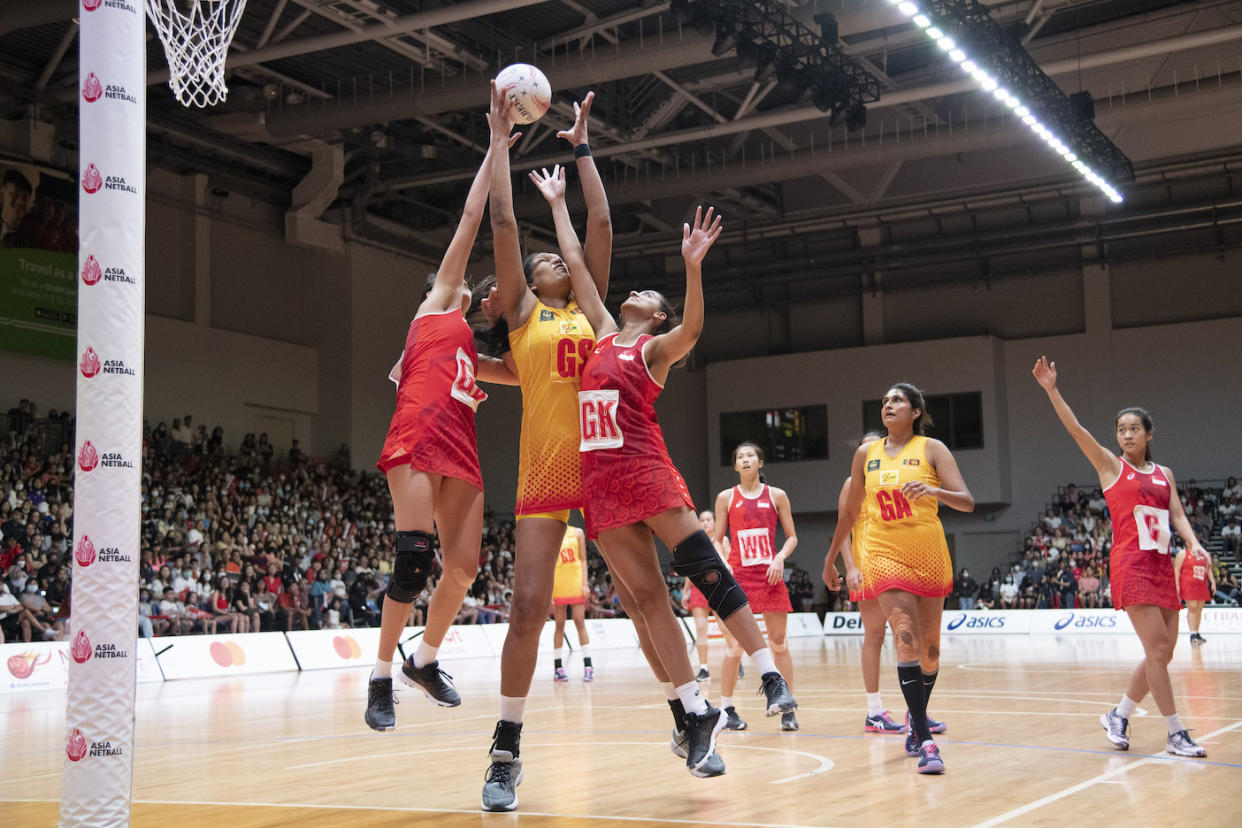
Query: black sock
679 713
586 662
929 681
557 664
911 677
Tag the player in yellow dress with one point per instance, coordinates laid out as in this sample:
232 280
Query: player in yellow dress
570 593
550 339
902 479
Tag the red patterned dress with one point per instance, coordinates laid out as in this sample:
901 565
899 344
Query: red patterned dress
627 474
1139 564
432 429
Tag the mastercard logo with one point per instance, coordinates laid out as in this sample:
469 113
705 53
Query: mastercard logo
227 654
346 647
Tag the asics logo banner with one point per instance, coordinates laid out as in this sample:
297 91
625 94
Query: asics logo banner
1075 621
975 622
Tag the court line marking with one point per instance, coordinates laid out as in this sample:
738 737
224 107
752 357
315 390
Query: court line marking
1154 758
469 812
825 764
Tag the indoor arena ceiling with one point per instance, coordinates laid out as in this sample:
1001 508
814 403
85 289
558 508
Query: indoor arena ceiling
673 123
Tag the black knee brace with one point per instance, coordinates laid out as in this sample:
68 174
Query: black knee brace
696 558
415 561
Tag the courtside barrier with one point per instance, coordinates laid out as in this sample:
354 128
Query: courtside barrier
1216 620
328 649
843 623
461 641
985 622
797 625
44 665
200 656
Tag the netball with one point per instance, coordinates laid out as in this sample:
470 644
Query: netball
528 91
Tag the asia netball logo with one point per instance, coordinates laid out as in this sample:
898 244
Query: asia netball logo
75 746
92 88
84 552
80 649
88 458
91 271
90 364
91 179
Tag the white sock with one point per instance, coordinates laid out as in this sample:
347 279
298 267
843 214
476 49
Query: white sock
763 661
1174 722
670 692
726 701
585 649
691 699
874 706
1125 708
383 669
704 667
558 653
512 708
424 654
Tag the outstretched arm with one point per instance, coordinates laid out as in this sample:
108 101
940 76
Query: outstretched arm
516 298
598 248
666 349
552 185
1106 464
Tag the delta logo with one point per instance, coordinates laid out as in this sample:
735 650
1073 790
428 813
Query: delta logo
23 665
117 182
88 458
91 88
346 647
1085 622
84 552
115 92
977 622
91 271
89 365
227 654
91 179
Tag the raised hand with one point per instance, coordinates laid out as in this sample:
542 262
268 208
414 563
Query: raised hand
1045 373
551 185
492 310
696 240
577 134
499 118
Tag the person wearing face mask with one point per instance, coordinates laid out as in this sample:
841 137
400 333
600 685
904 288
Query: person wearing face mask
1009 593
966 589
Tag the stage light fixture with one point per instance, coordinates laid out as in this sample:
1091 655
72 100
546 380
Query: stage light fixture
926 22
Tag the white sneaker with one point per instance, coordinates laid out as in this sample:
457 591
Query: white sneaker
1180 744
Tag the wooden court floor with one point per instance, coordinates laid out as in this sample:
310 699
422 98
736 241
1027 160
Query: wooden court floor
1023 747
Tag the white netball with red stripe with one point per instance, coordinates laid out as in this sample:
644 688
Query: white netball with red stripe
528 91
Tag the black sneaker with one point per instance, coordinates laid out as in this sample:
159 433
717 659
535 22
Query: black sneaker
436 684
701 730
789 721
780 700
380 714
703 675
505 773
733 721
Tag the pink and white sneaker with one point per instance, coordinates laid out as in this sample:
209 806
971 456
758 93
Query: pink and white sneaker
560 675
882 723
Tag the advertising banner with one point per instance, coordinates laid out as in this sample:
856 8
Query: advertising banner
38 261
843 623
199 656
986 622
329 649
1079 622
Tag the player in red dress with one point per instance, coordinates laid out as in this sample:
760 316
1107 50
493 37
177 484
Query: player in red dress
630 485
1143 503
431 458
1196 584
750 513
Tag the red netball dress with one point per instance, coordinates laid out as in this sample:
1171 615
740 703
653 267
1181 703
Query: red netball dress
432 429
1139 565
752 534
1194 577
627 475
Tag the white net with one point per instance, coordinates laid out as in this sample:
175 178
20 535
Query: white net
196 35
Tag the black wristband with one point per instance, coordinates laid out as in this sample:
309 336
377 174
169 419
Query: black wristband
582 151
